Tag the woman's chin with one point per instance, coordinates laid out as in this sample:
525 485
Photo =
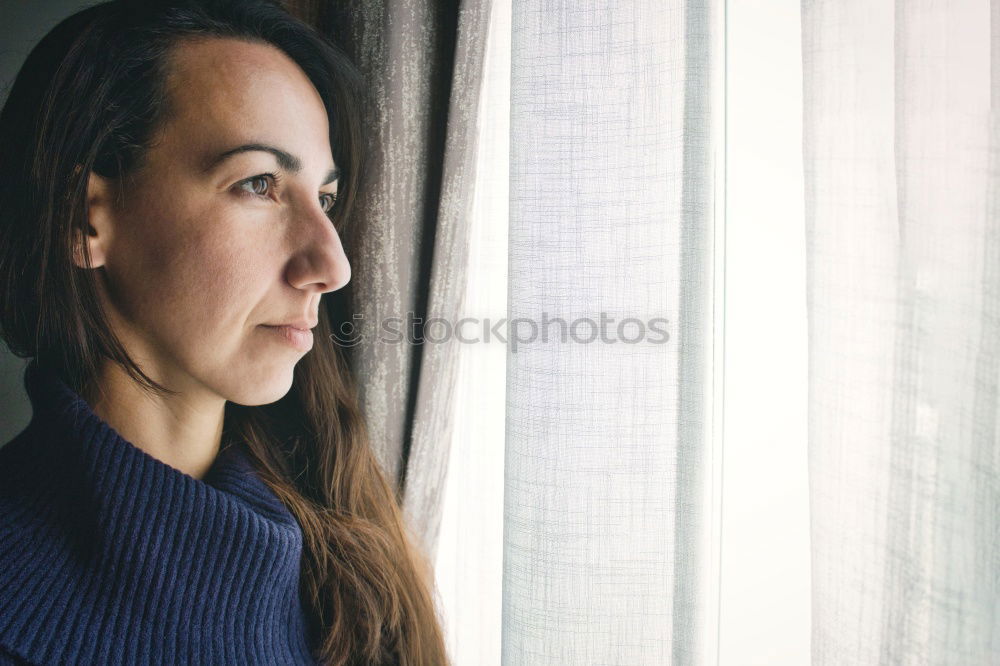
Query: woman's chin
262 388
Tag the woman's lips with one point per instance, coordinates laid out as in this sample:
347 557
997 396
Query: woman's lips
301 339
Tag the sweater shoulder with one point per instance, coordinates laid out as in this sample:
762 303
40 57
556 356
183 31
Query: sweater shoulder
21 468
17 453
33 513
8 658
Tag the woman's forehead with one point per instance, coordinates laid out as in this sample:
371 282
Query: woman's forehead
222 83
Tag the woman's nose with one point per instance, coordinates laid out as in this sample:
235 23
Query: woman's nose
319 263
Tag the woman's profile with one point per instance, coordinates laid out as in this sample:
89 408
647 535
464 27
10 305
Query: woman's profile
196 484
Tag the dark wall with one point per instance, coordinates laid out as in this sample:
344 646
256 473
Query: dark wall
22 25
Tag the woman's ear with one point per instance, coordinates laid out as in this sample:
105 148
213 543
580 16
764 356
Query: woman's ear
100 215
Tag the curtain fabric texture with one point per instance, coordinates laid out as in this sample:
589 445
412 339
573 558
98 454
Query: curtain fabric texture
606 529
408 243
469 562
903 242
608 499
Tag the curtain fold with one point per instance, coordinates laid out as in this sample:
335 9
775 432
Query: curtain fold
903 242
432 419
408 243
607 537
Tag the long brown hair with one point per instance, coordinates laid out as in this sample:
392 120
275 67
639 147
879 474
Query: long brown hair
88 98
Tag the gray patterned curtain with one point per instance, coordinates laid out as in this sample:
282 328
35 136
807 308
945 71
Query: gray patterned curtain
422 61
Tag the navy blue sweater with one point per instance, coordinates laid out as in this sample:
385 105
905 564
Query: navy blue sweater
110 556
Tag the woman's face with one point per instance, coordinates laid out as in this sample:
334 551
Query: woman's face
207 250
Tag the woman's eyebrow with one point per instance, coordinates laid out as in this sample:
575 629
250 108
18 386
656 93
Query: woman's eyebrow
286 160
331 175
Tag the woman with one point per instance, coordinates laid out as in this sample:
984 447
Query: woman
195 485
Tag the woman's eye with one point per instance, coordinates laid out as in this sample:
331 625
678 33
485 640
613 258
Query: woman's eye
259 185
327 201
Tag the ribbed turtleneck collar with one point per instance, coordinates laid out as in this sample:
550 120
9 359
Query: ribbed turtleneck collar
110 556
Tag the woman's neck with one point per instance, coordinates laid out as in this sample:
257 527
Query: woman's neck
183 431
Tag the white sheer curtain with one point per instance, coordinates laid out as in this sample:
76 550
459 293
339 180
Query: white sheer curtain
595 470
609 496
901 178
603 501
